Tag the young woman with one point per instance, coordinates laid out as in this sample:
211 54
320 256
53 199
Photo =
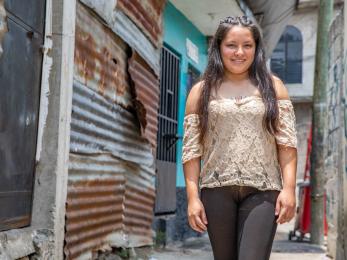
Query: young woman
240 127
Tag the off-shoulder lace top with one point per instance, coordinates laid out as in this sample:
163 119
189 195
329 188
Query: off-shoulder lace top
237 150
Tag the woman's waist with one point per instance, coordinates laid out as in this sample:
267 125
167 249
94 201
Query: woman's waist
244 146
239 163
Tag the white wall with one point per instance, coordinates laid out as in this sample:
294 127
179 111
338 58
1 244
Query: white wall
306 22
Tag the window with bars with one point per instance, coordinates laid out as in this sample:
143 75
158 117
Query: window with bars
167 128
165 200
286 59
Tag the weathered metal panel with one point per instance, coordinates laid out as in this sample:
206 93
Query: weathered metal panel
94 202
125 28
165 201
19 106
101 59
107 154
133 36
104 8
146 15
99 126
29 12
146 86
111 188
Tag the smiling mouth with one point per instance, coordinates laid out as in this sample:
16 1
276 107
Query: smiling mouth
238 61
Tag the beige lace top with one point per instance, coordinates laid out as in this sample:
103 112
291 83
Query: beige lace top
237 150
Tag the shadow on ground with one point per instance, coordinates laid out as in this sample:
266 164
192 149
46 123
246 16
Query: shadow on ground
283 245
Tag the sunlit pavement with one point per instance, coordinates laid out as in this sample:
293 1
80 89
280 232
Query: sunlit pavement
283 249
199 248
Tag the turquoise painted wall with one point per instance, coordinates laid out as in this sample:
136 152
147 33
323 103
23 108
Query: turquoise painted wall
177 28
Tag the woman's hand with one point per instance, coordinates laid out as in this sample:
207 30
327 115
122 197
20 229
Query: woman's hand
285 206
196 215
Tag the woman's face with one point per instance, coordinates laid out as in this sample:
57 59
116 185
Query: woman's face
237 50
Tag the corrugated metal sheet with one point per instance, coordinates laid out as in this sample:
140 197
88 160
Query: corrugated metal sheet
146 15
133 36
125 28
111 188
147 93
101 59
111 176
94 206
138 209
99 126
104 8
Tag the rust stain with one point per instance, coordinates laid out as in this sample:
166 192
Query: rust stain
146 91
3 24
87 65
138 210
141 113
111 176
100 58
147 15
88 60
93 210
158 5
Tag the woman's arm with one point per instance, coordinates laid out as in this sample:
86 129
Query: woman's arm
196 212
287 158
285 206
191 175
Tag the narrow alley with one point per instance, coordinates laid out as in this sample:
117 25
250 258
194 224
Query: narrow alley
200 249
282 249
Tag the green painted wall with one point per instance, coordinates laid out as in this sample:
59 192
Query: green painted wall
177 28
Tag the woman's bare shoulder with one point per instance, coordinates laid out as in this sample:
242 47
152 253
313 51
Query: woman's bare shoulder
280 88
193 98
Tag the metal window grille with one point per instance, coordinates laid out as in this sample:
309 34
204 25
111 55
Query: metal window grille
167 129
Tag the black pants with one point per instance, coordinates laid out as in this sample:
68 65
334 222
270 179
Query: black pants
241 222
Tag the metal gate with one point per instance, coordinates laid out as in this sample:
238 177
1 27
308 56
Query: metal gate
167 133
20 76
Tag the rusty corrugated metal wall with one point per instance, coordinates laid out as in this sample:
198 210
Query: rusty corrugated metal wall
146 15
111 187
146 87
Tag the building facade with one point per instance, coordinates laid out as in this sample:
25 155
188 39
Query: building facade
93 102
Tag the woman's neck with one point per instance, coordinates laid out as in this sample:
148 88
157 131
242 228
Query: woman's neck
236 77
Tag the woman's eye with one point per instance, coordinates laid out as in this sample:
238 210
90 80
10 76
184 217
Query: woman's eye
248 46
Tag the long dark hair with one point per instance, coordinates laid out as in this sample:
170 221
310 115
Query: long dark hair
258 73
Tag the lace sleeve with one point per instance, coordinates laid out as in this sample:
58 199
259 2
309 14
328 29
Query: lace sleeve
192 148
286 134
